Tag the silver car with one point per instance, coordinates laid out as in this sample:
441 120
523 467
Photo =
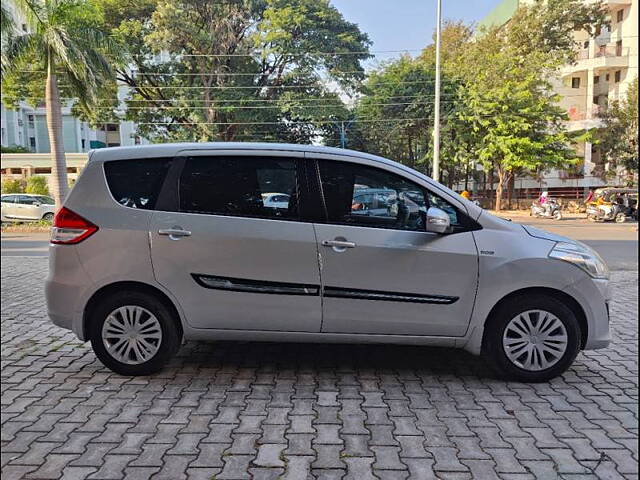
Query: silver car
24 207
165 243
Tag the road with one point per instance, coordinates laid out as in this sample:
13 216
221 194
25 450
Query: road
617 243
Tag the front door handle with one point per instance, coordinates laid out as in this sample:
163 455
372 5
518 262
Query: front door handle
338 245
174 233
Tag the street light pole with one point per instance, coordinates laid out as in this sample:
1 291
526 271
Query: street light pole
436 113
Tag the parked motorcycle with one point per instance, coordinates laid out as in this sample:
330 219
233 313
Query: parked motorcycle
551 209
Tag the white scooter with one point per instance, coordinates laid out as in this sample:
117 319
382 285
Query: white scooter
551 209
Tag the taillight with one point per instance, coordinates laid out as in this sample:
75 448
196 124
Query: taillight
69 228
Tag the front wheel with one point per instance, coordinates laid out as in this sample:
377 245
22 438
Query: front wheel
48 217
621 218
133 333
531 338
557 215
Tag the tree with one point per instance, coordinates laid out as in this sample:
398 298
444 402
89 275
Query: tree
37 185
618 138
238 70
515 123
61 44
393 115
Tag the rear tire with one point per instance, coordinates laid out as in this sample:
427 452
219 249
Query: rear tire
145 318
552 357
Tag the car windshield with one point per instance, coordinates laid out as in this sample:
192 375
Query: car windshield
46 200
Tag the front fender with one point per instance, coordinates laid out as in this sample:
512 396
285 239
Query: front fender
510 262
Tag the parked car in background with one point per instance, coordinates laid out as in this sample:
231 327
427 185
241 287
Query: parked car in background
26 207
275 200
203 256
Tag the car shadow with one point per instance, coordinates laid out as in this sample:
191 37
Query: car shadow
314 357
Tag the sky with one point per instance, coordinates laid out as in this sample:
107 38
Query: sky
407 24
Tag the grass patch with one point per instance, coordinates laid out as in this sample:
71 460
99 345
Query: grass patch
40 226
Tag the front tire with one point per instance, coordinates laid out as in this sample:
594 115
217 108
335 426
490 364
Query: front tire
621 218
558 215
531 338
133 333
48 217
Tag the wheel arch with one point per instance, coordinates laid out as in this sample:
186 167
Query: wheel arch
112 288
563 297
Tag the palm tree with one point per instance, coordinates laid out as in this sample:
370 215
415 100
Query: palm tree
68 49
6 30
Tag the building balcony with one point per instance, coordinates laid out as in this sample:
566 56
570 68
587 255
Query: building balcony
604 57
583 120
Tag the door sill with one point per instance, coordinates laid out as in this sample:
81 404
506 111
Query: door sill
317 337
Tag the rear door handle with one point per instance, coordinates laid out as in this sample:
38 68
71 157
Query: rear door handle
174 233
338 244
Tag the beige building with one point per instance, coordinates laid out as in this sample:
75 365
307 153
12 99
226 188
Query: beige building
604 69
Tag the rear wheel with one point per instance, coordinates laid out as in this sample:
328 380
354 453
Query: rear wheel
531 338
133 333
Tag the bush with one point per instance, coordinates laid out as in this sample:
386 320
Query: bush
14 149
37 185
12 186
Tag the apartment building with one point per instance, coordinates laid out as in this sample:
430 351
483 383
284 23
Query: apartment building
605 66
26 127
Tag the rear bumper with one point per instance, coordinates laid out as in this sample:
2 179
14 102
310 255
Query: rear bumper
64 287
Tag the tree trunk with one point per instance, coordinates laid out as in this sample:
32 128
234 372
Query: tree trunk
466 175
499 194
59 183
503 177
491 181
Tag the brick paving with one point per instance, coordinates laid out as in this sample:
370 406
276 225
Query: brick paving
244 410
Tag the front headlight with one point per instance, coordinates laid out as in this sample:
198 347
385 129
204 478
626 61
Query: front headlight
581 256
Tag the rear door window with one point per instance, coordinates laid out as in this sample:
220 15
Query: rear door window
255 186
136 183
28 200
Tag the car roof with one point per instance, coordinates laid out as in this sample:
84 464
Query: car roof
25 194
171 149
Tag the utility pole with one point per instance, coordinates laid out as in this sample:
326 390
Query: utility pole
436 113
343 132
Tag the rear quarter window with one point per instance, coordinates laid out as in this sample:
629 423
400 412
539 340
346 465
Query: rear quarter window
136 183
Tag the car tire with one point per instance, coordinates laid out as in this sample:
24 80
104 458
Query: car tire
143 316
48 217
500 331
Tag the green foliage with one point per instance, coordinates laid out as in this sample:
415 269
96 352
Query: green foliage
14 149
618 139
13 186
37 185
546 28
242 70
515 123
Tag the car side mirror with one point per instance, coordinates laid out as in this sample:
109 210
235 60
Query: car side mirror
36 204
438 221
